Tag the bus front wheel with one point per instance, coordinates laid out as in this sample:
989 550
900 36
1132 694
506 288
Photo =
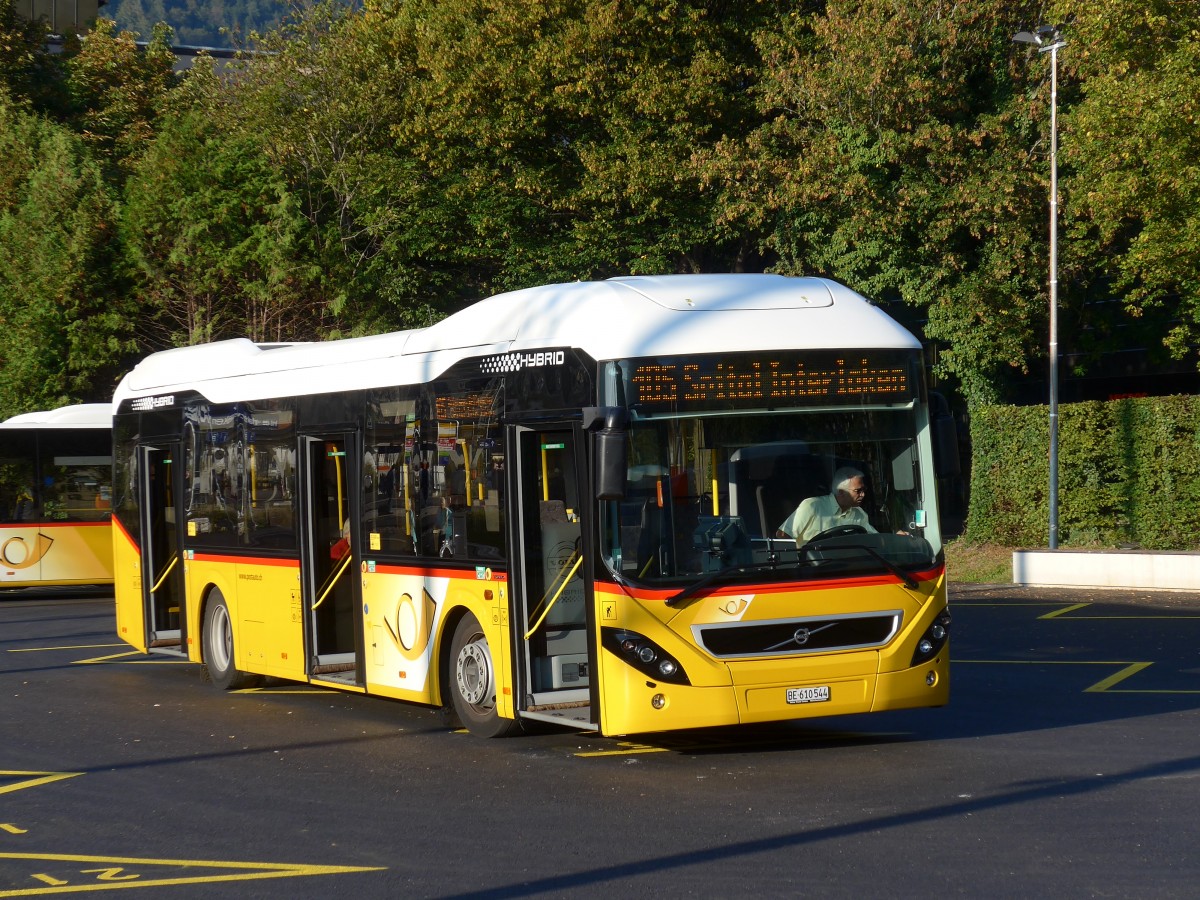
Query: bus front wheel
218 646
472 682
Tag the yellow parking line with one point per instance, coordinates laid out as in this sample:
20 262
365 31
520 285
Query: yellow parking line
626 750
117 872
1065 610
147 660
38 779
1104 686
65 647
1116 677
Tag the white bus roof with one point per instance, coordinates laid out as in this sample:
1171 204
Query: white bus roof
79 415
667 315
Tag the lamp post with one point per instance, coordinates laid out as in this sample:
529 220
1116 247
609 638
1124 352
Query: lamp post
1047 39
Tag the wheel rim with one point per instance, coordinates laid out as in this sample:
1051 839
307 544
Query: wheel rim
220 639
473 672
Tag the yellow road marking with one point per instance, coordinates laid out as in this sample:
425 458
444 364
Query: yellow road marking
972 604
13 829
1064 610
121 872
626 749
145 661
66 647
1104 686
39 778
1116 677
961 604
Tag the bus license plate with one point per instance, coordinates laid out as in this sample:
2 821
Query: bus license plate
808 694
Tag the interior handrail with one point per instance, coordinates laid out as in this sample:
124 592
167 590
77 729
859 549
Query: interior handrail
166 572
549 606
332 581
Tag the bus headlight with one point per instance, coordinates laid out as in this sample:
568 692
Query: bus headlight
644 655
933 640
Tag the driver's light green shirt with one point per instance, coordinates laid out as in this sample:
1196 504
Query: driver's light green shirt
817 514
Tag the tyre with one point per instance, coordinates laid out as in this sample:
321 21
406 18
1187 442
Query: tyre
472 682
218 646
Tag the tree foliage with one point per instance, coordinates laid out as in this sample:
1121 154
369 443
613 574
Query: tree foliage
63 313
1132 144
215 236
370 166
893 156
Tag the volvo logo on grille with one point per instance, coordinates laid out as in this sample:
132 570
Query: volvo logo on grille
799 637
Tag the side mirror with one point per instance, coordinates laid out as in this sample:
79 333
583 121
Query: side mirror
612 449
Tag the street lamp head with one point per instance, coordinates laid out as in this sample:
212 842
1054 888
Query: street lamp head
1044 37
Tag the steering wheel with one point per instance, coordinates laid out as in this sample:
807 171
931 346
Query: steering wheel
836 531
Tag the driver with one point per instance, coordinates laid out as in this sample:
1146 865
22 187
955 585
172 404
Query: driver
842 507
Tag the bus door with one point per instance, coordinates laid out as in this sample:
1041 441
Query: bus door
329 567
552 589
163 587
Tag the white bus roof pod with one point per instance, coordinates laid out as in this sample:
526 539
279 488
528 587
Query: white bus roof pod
614 319
78 415
672 315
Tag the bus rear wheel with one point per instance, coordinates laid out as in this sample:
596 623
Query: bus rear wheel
472 682
218 646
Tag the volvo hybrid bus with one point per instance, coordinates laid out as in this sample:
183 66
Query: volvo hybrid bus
563 504
56 497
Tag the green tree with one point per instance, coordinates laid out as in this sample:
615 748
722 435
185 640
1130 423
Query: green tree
215 235
62 310
1132 146
116 88
895 157
27 72
568 132
320 98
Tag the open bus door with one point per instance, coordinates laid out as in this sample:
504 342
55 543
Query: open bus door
163 590
553 592
329 560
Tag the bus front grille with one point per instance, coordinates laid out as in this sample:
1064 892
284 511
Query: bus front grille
787 637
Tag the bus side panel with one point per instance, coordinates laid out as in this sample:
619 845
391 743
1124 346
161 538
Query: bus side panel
49 553
82 554
405 618
263 597
127 588
273 621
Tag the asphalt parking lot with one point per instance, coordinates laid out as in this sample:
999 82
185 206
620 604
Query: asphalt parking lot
1066 763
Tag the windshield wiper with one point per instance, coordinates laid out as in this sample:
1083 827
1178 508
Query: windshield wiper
712 577
905 577
719 575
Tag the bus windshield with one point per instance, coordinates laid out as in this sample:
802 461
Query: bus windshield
755 495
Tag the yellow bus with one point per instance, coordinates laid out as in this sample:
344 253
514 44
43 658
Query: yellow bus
55 497
566 504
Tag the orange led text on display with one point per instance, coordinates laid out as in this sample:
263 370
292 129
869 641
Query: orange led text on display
659 383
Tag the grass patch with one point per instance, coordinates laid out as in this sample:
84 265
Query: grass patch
979 563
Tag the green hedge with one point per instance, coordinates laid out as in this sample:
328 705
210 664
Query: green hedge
1128 473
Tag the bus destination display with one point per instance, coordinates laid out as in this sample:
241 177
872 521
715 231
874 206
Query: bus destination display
750 380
